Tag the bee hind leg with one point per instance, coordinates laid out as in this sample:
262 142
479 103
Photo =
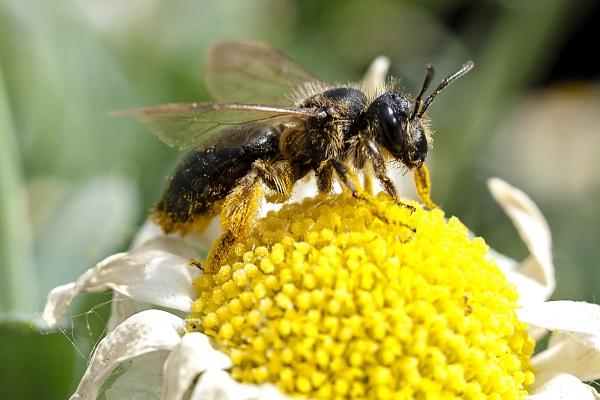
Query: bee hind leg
241 206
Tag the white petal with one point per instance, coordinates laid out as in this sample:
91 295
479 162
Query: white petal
559 387
575 343
576 318
538 269
216 384
149 230
123 307
137 379
192 356
148 331
270 392
530 290
374 78
209 235
568 355
158 273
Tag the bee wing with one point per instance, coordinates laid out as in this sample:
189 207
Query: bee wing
195 124
252 72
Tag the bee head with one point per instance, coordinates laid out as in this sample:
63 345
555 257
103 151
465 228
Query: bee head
398 122
403 136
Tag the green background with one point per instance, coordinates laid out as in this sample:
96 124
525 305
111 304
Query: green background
75 184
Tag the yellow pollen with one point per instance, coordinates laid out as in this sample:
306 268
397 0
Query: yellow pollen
339 298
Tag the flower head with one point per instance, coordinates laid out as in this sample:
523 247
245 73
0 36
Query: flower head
329 298
340 298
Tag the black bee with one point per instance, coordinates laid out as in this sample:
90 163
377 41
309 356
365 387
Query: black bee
239 148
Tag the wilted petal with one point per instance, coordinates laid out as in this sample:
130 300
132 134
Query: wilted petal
560 386
566 354
158 273
270 392
138 379
216 384
530 290
576 318
145 332
192 356
208 237
123 307
374 78
534 277
148 231
575 344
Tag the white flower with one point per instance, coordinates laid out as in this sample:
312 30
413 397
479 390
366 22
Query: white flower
153 291
158 273
573 353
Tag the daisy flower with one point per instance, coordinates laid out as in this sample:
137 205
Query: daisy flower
338 298
333 297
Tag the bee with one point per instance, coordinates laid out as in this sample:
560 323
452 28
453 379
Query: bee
274 124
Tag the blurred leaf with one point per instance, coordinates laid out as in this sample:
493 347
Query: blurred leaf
17 281
34 365
94 220
520 42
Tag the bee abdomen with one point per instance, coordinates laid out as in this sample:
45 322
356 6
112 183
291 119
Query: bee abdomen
204 178
196 188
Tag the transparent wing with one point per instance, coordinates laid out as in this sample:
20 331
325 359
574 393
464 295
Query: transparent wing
252 72
194 124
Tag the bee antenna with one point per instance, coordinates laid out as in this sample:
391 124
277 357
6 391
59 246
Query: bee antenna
419 100
445 82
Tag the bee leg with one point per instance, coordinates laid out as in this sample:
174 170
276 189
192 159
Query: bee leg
324 178
368 181
343 172
359 159
350 180
240 208
423 185
378 162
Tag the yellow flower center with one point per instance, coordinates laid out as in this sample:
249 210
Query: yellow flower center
339 298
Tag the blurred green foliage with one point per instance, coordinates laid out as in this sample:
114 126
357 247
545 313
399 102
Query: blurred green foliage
76 183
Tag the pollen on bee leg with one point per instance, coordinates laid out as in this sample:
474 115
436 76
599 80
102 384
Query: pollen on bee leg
368 182
423 185
352 183
219 252
238 214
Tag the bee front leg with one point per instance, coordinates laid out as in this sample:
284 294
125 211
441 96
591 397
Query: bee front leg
350 180
241 206
423 185
372 152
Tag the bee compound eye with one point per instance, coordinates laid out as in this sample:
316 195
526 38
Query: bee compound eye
390 127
